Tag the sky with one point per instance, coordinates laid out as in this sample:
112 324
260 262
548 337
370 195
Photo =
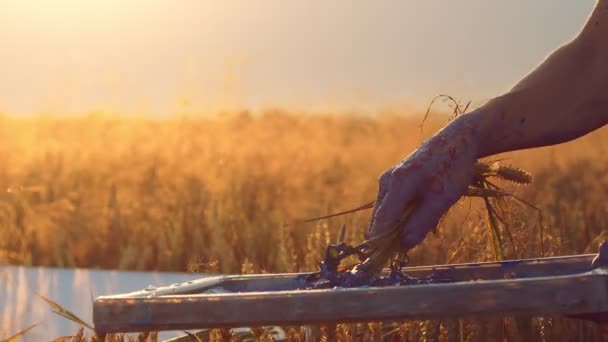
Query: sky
164 57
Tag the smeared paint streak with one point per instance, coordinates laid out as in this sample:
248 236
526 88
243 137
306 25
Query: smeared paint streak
143 317
436 185
511 263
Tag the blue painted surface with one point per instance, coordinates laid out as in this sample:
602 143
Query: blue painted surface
510 263
71 288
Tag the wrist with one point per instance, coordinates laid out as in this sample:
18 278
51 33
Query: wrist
485 136
466 130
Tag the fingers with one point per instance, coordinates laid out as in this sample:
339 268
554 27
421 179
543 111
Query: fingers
382 189
400 190
423 220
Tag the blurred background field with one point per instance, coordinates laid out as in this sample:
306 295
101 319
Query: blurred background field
144 194
214 194
147 183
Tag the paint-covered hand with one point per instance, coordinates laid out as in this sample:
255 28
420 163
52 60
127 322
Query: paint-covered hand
432 178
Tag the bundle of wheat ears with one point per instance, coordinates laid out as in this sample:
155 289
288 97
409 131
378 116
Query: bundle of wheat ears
386 246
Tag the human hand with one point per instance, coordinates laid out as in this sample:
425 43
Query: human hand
432 178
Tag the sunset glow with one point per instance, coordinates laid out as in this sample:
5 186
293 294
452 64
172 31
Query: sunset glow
153 56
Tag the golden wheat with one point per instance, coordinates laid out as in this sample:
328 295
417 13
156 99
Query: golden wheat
143 194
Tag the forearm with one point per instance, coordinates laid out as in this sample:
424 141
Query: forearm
563 98
539 117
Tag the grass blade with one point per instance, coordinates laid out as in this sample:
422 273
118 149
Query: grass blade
350 211
193 336
494 231
20 334
59 310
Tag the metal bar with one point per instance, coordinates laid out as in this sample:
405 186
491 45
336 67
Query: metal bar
525 268
576 294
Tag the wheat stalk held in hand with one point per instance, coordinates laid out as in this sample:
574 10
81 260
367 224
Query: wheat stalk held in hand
381 248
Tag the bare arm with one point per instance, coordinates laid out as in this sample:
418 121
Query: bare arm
565 97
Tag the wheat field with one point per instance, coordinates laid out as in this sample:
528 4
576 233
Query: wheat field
214 194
